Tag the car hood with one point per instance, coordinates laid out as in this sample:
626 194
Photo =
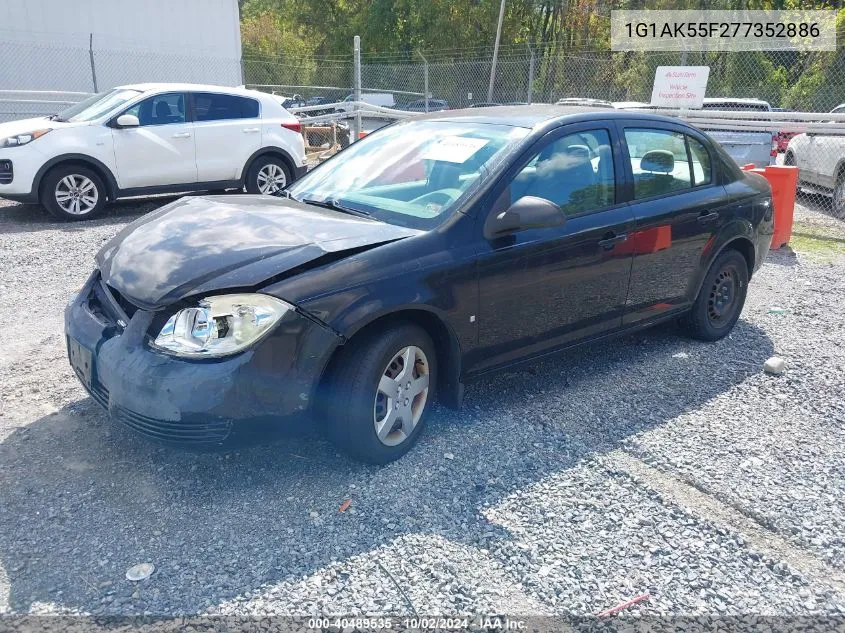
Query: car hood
199 245
11 128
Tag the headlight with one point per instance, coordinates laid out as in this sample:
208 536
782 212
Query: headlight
23 139
221 325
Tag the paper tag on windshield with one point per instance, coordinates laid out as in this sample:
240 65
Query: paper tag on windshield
454 149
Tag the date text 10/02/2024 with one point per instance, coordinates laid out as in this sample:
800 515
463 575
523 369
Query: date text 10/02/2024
490 623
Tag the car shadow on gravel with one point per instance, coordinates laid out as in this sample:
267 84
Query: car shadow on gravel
81 500
783 256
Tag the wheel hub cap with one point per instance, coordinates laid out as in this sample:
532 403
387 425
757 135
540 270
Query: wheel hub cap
271 178
76 194
401 396
722 295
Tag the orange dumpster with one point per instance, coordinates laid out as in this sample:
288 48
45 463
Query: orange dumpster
784 181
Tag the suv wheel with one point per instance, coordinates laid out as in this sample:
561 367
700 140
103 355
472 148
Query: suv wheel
839 196
267 175
73 192
381 392
720 300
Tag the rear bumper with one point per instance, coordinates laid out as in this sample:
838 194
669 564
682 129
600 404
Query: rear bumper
299 171
243 399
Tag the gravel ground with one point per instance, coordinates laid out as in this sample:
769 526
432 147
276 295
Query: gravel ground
648 464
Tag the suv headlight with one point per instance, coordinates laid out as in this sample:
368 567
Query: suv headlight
23 139
220 325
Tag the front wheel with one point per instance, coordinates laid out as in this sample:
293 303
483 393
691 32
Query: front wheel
72 192
380 393
267 175
720 300
790 160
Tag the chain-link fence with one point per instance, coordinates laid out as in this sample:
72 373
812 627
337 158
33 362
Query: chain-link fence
801 81
38 80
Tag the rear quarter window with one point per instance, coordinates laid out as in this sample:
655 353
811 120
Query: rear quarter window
217 107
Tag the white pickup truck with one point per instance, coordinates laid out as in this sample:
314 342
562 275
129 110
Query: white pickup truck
759 148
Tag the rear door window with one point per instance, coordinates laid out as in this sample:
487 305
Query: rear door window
701 170
209 106
659 162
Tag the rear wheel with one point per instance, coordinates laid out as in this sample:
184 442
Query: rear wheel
267 175
720 300
73 192
380 393
839 195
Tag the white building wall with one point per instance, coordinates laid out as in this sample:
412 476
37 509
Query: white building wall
44 43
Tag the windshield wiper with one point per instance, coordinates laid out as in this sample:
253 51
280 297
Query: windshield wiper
55 117
334 205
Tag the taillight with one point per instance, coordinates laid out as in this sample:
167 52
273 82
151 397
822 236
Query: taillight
293 127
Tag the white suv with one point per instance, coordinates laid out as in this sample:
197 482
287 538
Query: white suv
146 139
820 159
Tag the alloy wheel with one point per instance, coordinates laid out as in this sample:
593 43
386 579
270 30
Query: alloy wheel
401 396
271 178
76 194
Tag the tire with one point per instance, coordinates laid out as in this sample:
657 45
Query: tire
358 404
720 300
268 175
343 137
839 195
73 192
790 160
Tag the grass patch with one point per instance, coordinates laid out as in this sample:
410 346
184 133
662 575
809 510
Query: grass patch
819 243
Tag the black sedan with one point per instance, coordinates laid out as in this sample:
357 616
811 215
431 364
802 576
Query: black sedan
426 254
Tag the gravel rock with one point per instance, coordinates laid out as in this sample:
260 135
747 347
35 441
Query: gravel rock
774 365
532 519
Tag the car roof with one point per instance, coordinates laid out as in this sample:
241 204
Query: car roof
533 116
158 87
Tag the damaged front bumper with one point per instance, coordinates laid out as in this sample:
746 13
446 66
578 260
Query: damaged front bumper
244 398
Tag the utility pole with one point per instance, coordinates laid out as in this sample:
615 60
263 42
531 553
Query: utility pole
530 74
425 78
356 50
496 52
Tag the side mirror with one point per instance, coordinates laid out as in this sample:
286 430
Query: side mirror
127 120
526 213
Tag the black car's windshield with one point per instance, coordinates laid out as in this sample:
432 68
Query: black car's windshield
97 105
414 174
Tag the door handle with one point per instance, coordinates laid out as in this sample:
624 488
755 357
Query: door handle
182 135
612 239
706 218
251 130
